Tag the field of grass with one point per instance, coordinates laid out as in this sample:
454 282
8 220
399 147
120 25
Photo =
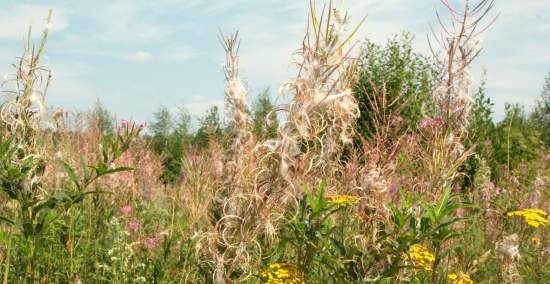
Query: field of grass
384 166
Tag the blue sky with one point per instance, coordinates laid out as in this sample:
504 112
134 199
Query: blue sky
136 55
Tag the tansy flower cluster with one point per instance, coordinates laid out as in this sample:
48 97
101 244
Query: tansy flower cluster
533 217
460 278
281 273
420 257
343 200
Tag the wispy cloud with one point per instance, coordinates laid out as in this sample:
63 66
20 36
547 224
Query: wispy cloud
138 56
15 20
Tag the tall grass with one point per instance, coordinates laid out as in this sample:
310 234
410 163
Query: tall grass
312 205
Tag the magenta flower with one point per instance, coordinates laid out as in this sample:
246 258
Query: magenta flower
126 209
150 243
124 123
351 166
133 225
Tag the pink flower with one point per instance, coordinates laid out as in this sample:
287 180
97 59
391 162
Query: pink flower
126 209
133 225
196 158
431 122
351 166
124 123
141 125
396 120
150 243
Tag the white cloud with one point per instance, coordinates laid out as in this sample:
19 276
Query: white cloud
16 20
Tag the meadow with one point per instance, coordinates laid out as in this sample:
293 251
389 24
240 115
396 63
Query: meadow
384 165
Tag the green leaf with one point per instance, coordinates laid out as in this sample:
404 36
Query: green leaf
71 173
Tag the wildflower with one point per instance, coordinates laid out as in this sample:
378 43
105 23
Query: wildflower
420 257
133 225
533 217
281 273
396 120
430 122
126 209
150 243
343 200
460 278
393 187
535 240
124 123
351 166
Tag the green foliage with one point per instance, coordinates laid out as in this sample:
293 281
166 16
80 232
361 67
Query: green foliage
516 139
541 114
393 81
102 118
209 128
168 138
481 129
265 123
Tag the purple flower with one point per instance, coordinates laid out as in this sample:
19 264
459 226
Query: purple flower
393 187
133 225
124 123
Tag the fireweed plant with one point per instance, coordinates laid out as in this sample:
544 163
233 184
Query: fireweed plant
382 167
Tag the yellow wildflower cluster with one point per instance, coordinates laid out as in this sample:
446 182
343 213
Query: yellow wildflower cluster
343 200
281 273
460 278
420 257
533 217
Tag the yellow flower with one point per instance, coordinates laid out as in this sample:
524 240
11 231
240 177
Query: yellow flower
535 240
533 217
461 278
281 273
343 200
420 257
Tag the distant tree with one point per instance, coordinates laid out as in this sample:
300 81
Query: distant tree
516 139
168 140
161 128
481 130
102 118
394 74
541 114
209 127
265 123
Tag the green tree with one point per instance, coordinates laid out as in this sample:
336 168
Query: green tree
516 139
393 81
102 118
480 134
209 127
541 114
264 124
167 140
